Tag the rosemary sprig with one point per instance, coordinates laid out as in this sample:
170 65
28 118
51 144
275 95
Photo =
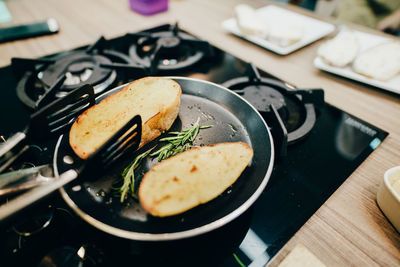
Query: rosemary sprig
179 142
128 176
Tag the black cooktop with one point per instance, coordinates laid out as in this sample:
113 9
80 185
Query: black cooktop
318 145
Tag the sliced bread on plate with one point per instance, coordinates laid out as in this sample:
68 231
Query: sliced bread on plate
248 21
341 50
381 62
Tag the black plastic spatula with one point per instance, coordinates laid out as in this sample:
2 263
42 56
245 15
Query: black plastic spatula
127 139
48 121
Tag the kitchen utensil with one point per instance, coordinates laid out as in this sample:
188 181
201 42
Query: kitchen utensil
125 140
233 119
16 181
50 120
17 32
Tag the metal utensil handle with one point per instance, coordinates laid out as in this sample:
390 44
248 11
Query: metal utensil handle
11 142
11 159
15 176
35 194
22 187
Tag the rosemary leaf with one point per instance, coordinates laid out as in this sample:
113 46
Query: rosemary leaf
206 126
196 131
179 142
176 133
128 176
169 138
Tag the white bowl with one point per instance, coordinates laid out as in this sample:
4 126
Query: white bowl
388 199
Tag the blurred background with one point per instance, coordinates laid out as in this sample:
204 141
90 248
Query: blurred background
383 15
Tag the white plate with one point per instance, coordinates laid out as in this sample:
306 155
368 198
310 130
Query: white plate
313 29
366 41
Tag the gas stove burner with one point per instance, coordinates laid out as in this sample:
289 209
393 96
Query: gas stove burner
168 50
79 68
296 108
36 222
57 75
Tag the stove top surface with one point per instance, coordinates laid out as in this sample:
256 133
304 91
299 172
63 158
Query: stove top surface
310 167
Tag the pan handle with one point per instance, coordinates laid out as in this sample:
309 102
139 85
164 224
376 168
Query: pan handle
11 143
17 204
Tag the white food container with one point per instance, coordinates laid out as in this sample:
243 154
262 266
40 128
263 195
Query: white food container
388 199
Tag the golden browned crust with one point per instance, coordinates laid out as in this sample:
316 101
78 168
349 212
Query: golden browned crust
183 181
94 126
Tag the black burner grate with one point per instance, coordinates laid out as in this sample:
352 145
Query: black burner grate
54 76
168 50
295 111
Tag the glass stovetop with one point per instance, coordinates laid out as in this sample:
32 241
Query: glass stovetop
301 182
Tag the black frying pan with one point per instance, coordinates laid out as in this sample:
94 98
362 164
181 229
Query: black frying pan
233 119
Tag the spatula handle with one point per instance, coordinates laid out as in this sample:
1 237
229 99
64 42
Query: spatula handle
11 142
17 204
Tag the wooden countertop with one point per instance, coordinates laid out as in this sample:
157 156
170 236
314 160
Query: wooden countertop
349 229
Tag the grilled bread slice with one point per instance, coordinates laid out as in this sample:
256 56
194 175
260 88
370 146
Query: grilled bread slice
155 99
193 177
